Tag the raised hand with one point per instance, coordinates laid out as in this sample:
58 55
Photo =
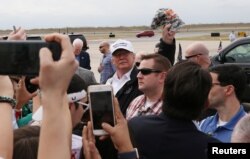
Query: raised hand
167 35
89 149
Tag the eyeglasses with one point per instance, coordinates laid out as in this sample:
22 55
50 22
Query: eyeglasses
218 84
84 105
188 57
147 71
137 64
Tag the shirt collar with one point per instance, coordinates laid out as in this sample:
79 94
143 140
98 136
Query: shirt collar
125 76
232 122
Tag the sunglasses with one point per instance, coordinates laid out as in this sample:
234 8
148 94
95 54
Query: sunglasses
147 71
188 57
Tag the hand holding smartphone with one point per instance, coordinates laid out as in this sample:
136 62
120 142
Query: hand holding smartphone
101 107
21 57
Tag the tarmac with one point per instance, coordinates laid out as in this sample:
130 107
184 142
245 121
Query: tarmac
144 44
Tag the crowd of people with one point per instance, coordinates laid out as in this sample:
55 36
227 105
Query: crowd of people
163 108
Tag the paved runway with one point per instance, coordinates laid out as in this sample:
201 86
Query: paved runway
144 44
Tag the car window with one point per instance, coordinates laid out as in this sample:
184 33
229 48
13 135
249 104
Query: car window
239 54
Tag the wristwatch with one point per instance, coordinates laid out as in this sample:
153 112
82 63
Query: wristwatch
9 100
129 155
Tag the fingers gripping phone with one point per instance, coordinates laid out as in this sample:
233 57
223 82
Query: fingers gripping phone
101 107
22 57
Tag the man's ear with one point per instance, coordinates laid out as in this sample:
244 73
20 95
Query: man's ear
133 56
206 105
112 60
163 76
229 89
71 105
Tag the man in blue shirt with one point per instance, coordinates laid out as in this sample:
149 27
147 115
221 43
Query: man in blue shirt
106 68
228 84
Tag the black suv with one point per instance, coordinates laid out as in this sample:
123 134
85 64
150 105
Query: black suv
80 36
237 53
33 38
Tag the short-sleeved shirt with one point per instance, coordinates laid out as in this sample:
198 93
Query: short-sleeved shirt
108 68
138 107
224 132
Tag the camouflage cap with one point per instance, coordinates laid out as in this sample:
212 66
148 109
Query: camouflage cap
165 16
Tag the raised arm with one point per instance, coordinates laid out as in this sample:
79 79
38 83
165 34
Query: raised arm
54 78
6 130
167 47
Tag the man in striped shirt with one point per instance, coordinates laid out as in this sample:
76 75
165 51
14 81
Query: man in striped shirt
152 73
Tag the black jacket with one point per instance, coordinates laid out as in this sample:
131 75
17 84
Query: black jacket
84 60
167 50
128 92
162 137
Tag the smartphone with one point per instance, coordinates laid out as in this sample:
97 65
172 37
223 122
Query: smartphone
22 57
29 86
101 107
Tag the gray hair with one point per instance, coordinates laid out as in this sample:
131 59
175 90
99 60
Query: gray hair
241 132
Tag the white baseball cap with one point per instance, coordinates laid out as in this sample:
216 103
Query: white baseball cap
122 44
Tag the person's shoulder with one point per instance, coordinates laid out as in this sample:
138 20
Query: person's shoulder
134 103
81 69
143 120
110 80
206 121
133 73
206 138
84 53
109 54
139 97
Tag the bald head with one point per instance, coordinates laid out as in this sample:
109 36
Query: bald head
104 43
198 52
196 48
77 44
241 132
104 47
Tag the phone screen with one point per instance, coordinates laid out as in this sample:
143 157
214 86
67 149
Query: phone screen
102 109
22 57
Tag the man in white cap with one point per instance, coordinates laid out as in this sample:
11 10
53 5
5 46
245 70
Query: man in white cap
124 81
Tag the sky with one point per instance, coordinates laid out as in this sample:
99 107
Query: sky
31 14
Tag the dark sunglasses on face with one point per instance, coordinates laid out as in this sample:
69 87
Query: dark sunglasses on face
188 57
147 71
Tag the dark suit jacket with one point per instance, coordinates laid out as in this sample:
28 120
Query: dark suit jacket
167 50
128 92
161 137
86 75
84 60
